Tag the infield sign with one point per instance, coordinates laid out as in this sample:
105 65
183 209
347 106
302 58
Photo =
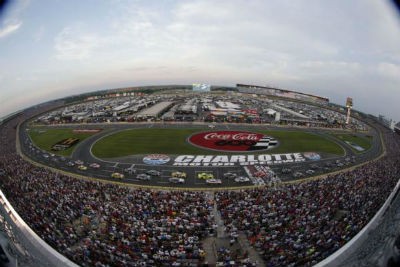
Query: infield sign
233 141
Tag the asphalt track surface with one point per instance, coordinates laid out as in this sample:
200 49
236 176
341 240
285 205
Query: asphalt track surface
108 166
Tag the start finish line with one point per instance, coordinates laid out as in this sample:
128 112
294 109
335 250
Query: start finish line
242 160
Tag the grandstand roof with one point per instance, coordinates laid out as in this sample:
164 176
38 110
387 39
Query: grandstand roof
155 110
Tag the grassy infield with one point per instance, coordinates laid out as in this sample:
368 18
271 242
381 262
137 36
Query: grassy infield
173 141
364 142
46 138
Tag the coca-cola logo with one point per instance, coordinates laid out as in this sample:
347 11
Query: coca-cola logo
233 141
238 136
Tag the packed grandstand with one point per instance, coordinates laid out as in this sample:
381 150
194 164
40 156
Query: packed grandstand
97 223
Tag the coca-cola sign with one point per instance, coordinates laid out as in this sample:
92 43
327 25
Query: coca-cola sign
233 141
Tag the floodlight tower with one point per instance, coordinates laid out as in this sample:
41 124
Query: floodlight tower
349 105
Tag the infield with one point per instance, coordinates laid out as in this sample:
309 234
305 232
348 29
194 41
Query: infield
45 138
174 142
365 142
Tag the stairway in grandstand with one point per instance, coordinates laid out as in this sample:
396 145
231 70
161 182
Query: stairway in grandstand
220 241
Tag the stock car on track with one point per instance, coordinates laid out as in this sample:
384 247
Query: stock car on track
176 180
242 179
214 181
153 173
130 170
70 164
78 162
82 167
230 175
205 175
178 174
94 165
143 177
310 172
117 175
298 174
286 170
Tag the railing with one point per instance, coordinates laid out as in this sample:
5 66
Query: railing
53 256
343 253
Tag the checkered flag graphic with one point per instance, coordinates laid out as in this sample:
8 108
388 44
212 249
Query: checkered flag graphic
266 142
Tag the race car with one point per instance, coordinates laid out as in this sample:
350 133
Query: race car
242 179
310 172
143 176
178 174
82 167
176 180
117 175
94 165
79 162
205 175
130 170
230 175
70 164
153 173
214 181
298 174
286 170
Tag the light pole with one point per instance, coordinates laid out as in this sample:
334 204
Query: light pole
349 105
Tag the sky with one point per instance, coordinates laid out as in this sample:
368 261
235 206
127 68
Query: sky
53 48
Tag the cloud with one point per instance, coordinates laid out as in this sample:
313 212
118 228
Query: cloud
38 35
72 44
9 29
389 69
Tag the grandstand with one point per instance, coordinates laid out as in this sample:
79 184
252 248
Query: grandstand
397 128
10 117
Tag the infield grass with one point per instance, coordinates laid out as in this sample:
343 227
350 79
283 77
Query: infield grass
362 141
174 142
45 138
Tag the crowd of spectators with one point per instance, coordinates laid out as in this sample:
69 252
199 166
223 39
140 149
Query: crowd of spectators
99 224
303 223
